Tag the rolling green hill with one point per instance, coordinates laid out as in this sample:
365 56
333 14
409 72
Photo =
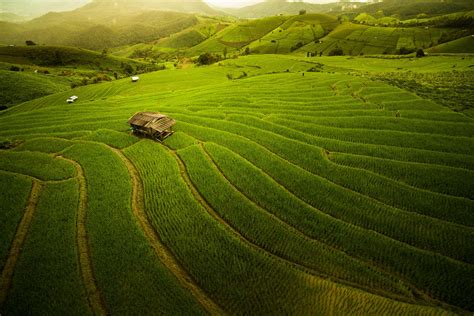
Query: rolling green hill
50 56
281 34
296 32
19 87
412 8
285 192
103 23
355 39
282 7
322 34
295 183
46 70
462 45
238 35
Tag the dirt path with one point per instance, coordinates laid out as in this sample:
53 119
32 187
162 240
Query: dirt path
197 195
94 297
19 241
310 274
163 253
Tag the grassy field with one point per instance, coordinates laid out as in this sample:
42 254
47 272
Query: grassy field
462 45
318 34
28 73
306 186
356 40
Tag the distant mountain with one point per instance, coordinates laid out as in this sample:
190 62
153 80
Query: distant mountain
11 17
277 7
188 6
400 8
107 23
38 7
411 8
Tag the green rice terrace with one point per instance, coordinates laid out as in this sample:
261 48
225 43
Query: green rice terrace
292 185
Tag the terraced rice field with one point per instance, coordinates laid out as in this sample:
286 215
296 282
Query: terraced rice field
355 39
280 193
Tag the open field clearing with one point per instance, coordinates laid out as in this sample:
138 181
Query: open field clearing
306 186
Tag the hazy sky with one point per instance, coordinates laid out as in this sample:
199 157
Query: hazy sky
241 3
232 3
26 7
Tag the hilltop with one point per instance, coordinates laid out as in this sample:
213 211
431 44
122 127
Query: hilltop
145 29
400 8
278 7
405 9
114 6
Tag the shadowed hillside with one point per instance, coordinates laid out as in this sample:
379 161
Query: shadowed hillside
105 23
277 7
31 72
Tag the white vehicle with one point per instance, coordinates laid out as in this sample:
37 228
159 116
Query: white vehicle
135 78
72 99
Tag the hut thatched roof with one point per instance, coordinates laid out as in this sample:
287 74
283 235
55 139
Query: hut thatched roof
152 120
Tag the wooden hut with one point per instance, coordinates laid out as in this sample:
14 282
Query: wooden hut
152 124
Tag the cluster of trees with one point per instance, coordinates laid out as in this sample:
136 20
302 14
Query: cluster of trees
451 36
336 52
98 78
208 59
211 58
16 68
297 46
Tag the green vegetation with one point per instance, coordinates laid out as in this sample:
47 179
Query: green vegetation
57 284
14 193
357 40
99 25
269 232
301 177
41 71
47 145
196 239
462 45
446 180
127 271
112 138
18 87
38 165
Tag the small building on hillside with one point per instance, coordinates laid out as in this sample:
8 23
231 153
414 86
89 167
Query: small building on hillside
152 124
72 99
135 79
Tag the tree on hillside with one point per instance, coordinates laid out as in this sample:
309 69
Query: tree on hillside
104 52
405 51
336 52
225 52
30 43
208 59
247 51
420 53
302 12
128 69
57 58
